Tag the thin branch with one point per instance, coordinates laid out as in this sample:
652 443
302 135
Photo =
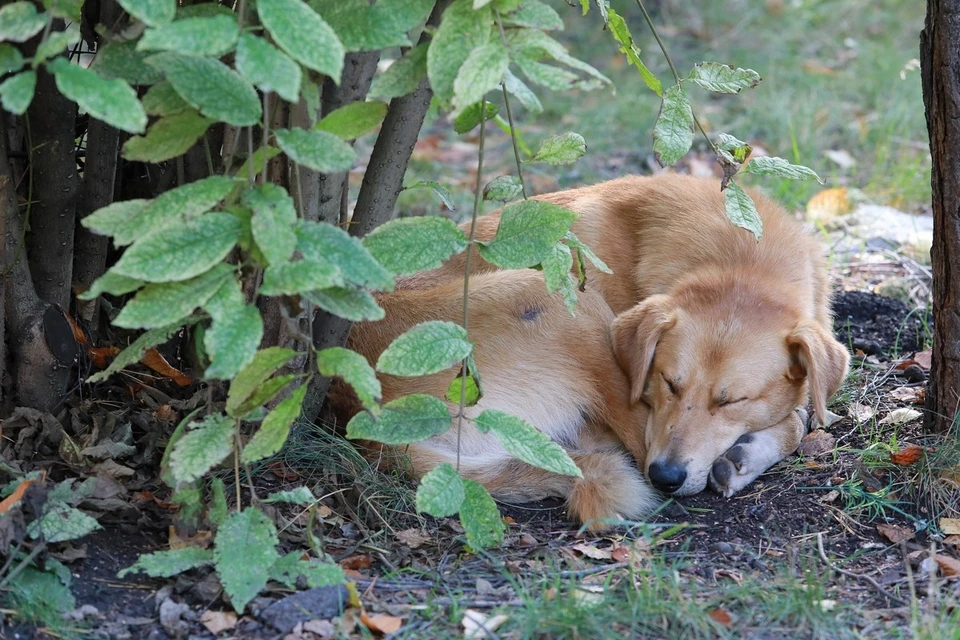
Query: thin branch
506 106
859 576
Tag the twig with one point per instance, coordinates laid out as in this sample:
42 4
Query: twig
859 576
506 106
593 570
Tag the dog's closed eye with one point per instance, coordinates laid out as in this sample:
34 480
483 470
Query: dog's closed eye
670 384
727 403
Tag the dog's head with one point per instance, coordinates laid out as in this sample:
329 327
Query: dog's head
713 365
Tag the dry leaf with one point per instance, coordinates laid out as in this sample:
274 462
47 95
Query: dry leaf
721 617
355 562
817 443
322 628
953 541
381 624
906 456
413 538
476 624
901 416
906 394
17 494
527 540
949 566
620 553
100 357
588 595
828 204
217 621
828 605
950 526
592 552
158 363
830 496
861 412
923 358
895 533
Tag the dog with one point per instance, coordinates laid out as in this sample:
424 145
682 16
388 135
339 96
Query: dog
686 366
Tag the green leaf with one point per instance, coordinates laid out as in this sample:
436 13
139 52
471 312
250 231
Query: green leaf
561 149
535 14
19 21
408 245
294 278
112 101
534 44
741 210
320 240
519 90
181 252
264 394
739 149
56 43
158 305
503 189
353 120
403 76
773 166
207 443
151 12
527 233
363 26
274 215
112 218
425 348
576 243
135 351
213 36
318 574
164 564
60 523
265 364
722 78
481 72
16 92
210 86
310 94
121 60
10 59
205 10
111 283
353 304
163 100
259 161
556 274
480 516
527 443
268 68
621 33
245 550
441 192
440 492
470 117
673 133
299 496
407 419
168 137
304 35
471 395
66 9
217 512
548 76
35 591
317 150
461 31
232 339
354 369
275 428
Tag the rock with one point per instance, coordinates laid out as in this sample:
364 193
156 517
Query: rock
914 373
321 603
722 547
174 618
816 443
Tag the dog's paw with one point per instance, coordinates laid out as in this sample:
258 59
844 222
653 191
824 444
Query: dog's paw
742 463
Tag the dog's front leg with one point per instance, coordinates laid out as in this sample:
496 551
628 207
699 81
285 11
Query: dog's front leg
754 453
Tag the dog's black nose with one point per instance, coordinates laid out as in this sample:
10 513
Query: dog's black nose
667 476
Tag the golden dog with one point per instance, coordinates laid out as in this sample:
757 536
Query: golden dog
693 357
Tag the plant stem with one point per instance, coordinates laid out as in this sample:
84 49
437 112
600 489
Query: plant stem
506 106
673 69
236 463
477 199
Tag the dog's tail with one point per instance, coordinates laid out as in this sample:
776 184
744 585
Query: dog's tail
611 486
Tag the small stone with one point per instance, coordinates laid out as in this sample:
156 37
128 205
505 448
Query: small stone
722 547
321 603
914 373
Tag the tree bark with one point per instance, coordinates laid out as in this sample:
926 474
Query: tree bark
940 76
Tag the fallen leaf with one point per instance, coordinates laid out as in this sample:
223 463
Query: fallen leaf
283 472
356 561
900 416
17 494
861 412
588 595
841 157
906 394
620 553
380 623
895 533
158 363
217 621
817 443
592 552
413 538
950 526
322 628
828 605
527 540
949 566
477 624
906 456
828 204
165 413
100 357
953 541
818 68
830 497
923 358
721 617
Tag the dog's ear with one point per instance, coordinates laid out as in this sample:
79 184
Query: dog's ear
635 334
817 356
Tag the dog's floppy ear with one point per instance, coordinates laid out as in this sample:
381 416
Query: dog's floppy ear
635 334
816 355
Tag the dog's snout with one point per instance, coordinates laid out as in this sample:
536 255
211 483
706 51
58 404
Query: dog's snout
667 476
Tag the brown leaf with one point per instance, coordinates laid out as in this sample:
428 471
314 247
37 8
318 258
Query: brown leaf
476 624
620 553
283 472
100 357
953 541
527 540
817 443
592 552
950 526
923 358
356 562
906 456
17 494
906 394
721 617
217 621
895 533
158 363
413 538
165 413
380 623
949 566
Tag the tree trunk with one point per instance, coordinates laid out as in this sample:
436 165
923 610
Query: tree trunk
940 75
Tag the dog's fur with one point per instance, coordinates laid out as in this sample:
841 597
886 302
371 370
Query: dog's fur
693 356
